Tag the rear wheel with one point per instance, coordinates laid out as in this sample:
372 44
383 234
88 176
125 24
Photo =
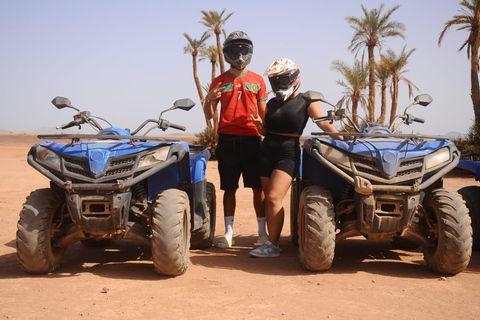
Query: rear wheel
171 232
316 233
449 230
471 195
37 229
203 238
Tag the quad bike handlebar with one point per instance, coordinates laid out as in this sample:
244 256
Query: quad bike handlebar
84 117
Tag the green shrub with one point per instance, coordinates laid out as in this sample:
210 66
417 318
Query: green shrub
208 138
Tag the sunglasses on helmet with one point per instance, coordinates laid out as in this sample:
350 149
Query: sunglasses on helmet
237 49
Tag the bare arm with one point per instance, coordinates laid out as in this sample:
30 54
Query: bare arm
210 105
314 111
209 108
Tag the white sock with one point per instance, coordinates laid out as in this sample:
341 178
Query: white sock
261 226
229 227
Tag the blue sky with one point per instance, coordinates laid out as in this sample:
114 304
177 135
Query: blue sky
124 61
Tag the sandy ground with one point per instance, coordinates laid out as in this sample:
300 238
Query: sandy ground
368 280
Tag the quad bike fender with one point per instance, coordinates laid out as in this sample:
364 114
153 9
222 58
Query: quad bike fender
471 166
198 208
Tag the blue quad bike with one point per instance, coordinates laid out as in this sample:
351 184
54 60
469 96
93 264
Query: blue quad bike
471 194
115 185
380 184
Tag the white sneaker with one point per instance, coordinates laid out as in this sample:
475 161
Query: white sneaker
261 240
267 250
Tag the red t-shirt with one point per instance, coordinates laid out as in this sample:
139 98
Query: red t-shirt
239 93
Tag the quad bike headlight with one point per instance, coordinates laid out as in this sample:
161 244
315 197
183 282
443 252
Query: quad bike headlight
48 157
154 157
335 156
437 158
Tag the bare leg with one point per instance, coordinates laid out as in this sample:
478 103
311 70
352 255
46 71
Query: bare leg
259 205
276 188
229 203
259 202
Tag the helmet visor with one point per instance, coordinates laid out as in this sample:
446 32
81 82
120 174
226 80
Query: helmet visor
238 49
283 81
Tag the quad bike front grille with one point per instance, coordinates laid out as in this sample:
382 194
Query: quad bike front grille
82 162
120 166
80 166
368 166
408 169
118 171
76 165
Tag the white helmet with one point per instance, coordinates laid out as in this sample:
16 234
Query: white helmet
284 77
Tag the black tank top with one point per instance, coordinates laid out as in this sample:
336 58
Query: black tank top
287 117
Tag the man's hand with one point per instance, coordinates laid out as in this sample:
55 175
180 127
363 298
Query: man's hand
215 93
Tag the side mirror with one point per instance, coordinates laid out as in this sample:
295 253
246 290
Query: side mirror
61 102
340 113
423 99
313 96
183 104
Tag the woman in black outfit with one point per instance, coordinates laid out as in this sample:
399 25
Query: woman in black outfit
286 117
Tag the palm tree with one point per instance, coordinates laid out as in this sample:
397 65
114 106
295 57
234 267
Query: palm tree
194 47
469 20
210 53
383 79
215 22
355 85
370 32
396 65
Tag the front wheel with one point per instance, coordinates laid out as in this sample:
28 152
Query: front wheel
449 230
316 229
39 223
471 195
171 232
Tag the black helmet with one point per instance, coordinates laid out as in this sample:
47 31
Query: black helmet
238 49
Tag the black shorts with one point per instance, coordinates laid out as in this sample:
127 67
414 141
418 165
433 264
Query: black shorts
280 152
238 155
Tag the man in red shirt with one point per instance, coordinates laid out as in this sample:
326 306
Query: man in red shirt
238 90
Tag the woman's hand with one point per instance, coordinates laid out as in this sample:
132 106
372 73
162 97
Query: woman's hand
257 121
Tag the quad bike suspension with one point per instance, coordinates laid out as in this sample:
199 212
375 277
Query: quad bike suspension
140 207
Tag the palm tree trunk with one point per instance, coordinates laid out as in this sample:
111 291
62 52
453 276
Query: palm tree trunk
220 54
371 83
383 110
393 112
354 110
199 87
215 115
475 90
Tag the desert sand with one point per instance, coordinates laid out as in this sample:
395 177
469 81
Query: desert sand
368 280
